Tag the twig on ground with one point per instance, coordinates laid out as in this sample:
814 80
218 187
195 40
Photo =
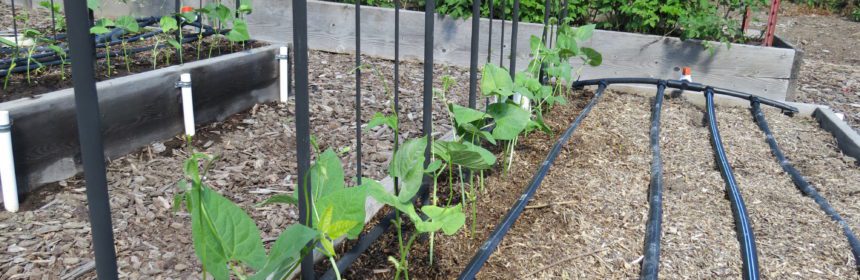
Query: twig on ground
550 204
562 261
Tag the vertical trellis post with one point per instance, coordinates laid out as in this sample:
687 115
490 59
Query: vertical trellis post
473 63
303 142
82 48
358 91
502 40
429 13
14 32
396 80
515 20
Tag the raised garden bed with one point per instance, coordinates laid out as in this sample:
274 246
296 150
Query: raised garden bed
766 71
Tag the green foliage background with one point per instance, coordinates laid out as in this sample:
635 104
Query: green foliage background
716 20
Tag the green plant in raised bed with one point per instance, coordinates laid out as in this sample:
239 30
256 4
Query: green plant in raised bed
407 165
101 28
36 38
62 54
130 26
226 239
12 64
239 32
218 14
169 24
59 19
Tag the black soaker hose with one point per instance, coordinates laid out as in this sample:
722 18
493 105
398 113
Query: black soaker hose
678 84
498 234
749 255
803 185
653 228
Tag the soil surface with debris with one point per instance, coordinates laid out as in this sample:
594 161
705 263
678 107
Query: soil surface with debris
49 238
587 220
830 74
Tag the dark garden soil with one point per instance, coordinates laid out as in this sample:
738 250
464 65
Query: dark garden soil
52 78
50 238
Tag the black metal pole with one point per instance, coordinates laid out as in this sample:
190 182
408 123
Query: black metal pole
14 30
89 132
653 227
490 34
429 13
546 8
473 65
502 40
179 19
358 91
53 21
303 142
396 76
515 20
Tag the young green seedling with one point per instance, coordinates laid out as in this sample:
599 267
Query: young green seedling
36 38
59 19
12 64
169 24
62 54
130 26
101 28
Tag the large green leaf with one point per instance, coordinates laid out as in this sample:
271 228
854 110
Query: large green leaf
326 174
233 228
407 164
584 32
467 115
381 195
496 81
464 154
449 219
510 119
239 33
286 252
168 24
380 119
207 247
594 57
346 204
128 23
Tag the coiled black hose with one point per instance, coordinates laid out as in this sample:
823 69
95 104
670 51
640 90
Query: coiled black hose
801 183
498 234
651 261
749 255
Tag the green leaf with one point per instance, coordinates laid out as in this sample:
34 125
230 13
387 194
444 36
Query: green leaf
407 164
174 43
93 4
379 119
467 115
225 226
189 16
510 119
168 24
128 24
98 30
435 165
496 81
326 174
239 33
584 32
449 219
7 42
285 253
280 198
57 50
347 204
381 195
464 154
594 57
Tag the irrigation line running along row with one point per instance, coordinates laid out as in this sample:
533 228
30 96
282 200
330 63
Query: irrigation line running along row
498 234
802 185
653 228
749 255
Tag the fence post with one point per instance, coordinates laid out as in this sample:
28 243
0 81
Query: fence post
303 142
82 49
429 14
358 91
473 64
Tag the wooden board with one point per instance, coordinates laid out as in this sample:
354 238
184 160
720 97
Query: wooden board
136 111
754 69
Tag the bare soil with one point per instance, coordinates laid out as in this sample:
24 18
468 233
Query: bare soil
50 238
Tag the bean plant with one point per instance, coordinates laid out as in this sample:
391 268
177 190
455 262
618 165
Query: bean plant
102 27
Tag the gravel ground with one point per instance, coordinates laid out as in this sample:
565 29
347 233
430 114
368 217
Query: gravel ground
51 239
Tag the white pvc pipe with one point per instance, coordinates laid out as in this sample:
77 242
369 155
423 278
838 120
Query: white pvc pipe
187 104
284 74
7 165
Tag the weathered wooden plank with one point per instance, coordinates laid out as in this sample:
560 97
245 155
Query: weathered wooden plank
136 111
754 69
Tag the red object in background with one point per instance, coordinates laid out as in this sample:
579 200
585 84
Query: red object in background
746 23
686 71
771 24
186 9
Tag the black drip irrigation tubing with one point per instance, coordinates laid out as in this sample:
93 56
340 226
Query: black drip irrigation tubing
802 185
501 230
749 255
653 228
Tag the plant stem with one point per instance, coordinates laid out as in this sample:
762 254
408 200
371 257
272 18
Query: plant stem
334 267
107 58
125 53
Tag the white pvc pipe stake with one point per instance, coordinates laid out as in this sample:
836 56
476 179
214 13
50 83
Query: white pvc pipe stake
187 104
7 165
284 74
